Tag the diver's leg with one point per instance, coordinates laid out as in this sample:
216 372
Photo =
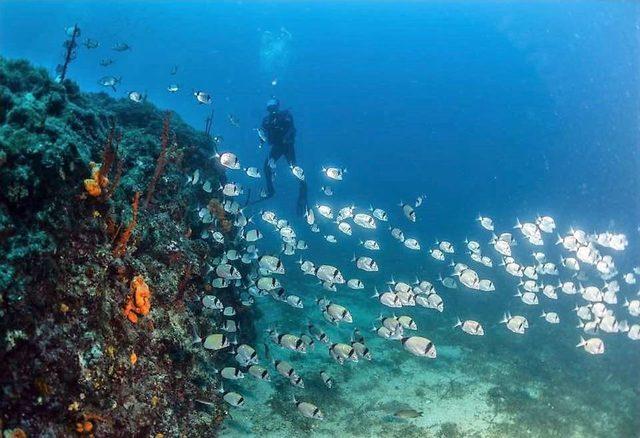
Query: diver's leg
274 155
301 204
268 177
290 154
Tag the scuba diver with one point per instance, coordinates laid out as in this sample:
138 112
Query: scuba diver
280 132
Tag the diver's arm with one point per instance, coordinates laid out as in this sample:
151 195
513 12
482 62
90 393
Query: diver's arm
302 203
266 128
268 177
290 136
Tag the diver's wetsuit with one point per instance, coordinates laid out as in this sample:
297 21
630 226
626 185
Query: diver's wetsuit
281 133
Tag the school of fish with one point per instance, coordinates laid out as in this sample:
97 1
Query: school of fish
586 274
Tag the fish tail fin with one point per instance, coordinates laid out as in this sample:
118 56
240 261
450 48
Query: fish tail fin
559 240
582 342
458 322
504 319
376 294
518 224
544 314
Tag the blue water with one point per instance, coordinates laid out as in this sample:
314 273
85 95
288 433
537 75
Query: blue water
508 110
493 108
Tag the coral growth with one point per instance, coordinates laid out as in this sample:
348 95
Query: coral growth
162 159
92 186
99 181
139 302
120 248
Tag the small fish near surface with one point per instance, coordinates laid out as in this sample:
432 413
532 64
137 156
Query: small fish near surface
334 173
327 190
121 47
136 96
91 44
110 81
408 211
202 97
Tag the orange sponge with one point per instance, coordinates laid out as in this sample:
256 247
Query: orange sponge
139 302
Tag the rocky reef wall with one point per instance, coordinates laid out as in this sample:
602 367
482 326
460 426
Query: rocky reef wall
100 280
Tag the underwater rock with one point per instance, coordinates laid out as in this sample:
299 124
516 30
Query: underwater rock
71 284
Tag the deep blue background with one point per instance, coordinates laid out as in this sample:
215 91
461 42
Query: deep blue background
504 109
